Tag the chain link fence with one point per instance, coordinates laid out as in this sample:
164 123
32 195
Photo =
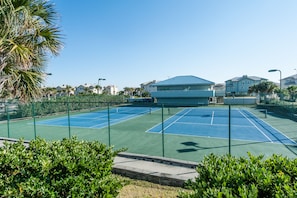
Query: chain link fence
187 133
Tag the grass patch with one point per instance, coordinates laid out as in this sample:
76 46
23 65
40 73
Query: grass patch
144 189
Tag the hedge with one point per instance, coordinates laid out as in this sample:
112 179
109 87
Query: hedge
66 168
228 176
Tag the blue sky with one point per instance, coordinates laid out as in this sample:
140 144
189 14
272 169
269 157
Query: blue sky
129 42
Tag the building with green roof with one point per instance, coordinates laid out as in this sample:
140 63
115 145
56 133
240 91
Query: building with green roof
183 91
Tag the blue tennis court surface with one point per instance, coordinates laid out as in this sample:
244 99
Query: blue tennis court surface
99 119
214 122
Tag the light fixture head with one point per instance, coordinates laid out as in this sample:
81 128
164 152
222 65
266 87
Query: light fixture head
273 70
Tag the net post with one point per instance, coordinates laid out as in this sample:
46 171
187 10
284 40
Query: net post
163 152
265 113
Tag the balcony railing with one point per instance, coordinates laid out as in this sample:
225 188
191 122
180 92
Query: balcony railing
184 94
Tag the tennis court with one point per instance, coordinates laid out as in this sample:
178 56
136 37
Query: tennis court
189 133
99 119
214 123
200 122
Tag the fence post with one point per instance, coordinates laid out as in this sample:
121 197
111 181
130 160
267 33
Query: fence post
68 112
229 129
163 152
8 119
34 121
108 120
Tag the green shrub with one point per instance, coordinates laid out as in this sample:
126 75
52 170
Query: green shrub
228 176
67 168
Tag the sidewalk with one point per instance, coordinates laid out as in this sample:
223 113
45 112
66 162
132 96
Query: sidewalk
154 169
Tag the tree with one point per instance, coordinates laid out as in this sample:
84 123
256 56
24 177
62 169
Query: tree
129 91
138 91
263 88
68 90
292 92
98 88
146 94
48 92
27 36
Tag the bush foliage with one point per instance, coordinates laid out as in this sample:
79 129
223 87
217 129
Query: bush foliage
228 176
66 168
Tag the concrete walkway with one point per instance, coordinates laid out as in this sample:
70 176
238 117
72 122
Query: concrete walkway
155 169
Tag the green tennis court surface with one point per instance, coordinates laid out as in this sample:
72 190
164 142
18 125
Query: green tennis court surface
128 129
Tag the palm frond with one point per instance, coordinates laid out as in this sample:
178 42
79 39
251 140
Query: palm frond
27 36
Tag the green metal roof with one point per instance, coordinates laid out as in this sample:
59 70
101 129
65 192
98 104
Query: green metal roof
255 78
184 80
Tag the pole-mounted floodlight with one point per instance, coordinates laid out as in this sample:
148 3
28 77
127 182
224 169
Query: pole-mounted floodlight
44 75
280 76
100 79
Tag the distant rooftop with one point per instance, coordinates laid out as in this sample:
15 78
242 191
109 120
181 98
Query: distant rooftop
149 82
184 80
246 76
291 77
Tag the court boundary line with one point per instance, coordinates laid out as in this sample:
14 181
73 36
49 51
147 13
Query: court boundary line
207 124
241 111
220 138
116 121
254 125
202 124
212 118
105 124
274 128
164 121
183 114
175 121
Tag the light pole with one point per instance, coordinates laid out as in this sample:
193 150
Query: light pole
280 77
44 75
280 80
100 79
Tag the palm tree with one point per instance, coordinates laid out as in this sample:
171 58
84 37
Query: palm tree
129 90
292 92
98 88
138 91
27 36
68 90
263 88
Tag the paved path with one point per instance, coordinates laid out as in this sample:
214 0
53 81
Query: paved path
155 169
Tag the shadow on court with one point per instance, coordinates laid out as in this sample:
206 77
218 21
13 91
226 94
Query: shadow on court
194 146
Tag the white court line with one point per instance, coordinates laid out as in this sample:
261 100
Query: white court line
116 121
275 129
156 125
176 120
173 121
212 117
223 125
255 126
